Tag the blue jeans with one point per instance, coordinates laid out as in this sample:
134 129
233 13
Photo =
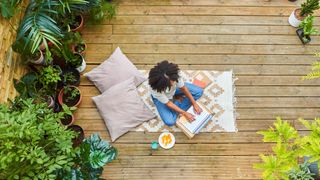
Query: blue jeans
168 115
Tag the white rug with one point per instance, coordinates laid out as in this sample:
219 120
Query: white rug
219 97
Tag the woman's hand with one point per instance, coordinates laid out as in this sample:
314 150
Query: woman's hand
197 109
188 116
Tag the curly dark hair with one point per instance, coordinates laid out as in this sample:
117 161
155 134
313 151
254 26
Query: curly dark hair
161 74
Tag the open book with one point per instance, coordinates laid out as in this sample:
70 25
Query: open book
194 127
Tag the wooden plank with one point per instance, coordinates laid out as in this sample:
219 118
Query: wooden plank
205 59
206 10
247 91
199 39
200 20
256 81
181 161
280 70
216 49
107 29
211 3
179 173
244 113
202 29
195 149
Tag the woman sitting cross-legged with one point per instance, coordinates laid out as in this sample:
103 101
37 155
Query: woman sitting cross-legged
171 95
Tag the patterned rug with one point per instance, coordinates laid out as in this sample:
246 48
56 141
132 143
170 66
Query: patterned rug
218 97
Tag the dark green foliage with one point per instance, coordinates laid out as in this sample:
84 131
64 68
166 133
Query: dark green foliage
27 85
93 155
32 143
104 10
308 7
9 8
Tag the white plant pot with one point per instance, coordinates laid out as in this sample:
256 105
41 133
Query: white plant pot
40 60
293 20
83 65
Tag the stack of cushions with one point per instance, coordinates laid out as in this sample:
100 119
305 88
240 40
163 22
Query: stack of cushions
119 104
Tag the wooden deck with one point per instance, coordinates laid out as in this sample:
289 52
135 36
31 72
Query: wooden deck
250 36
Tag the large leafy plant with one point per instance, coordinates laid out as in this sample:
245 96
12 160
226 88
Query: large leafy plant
93 155
282 163
33 145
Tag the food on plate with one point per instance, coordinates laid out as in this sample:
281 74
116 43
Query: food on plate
166 139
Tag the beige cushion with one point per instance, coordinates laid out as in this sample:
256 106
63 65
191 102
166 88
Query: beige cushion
122 108
114 70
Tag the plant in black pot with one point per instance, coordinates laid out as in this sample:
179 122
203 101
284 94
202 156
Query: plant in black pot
70 95
93 155
71 76
306 29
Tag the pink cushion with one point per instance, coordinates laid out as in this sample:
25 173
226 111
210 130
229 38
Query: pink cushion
114 70
122 108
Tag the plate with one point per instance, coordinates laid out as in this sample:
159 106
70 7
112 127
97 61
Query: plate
170 143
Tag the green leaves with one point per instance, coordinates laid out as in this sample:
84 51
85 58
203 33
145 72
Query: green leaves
282 132
32 144
9 8
308 7
93 155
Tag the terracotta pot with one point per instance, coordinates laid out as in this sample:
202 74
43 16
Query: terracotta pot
73 47
78 140
67 120
40 60
61 98
295 18
80 27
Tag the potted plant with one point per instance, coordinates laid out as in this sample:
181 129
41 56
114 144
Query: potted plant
101 11
49 77
77 140
306 9
27 85
68 118
77 44
306 29
76 23
283 161
93 155
71 76
302 172
37 58
33 145
70 95
71 59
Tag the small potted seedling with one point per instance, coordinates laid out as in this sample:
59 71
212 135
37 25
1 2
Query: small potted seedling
70 95
307 8
68 118
49 77
306 29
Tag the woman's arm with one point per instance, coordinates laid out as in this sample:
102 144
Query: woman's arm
174 107
196 107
